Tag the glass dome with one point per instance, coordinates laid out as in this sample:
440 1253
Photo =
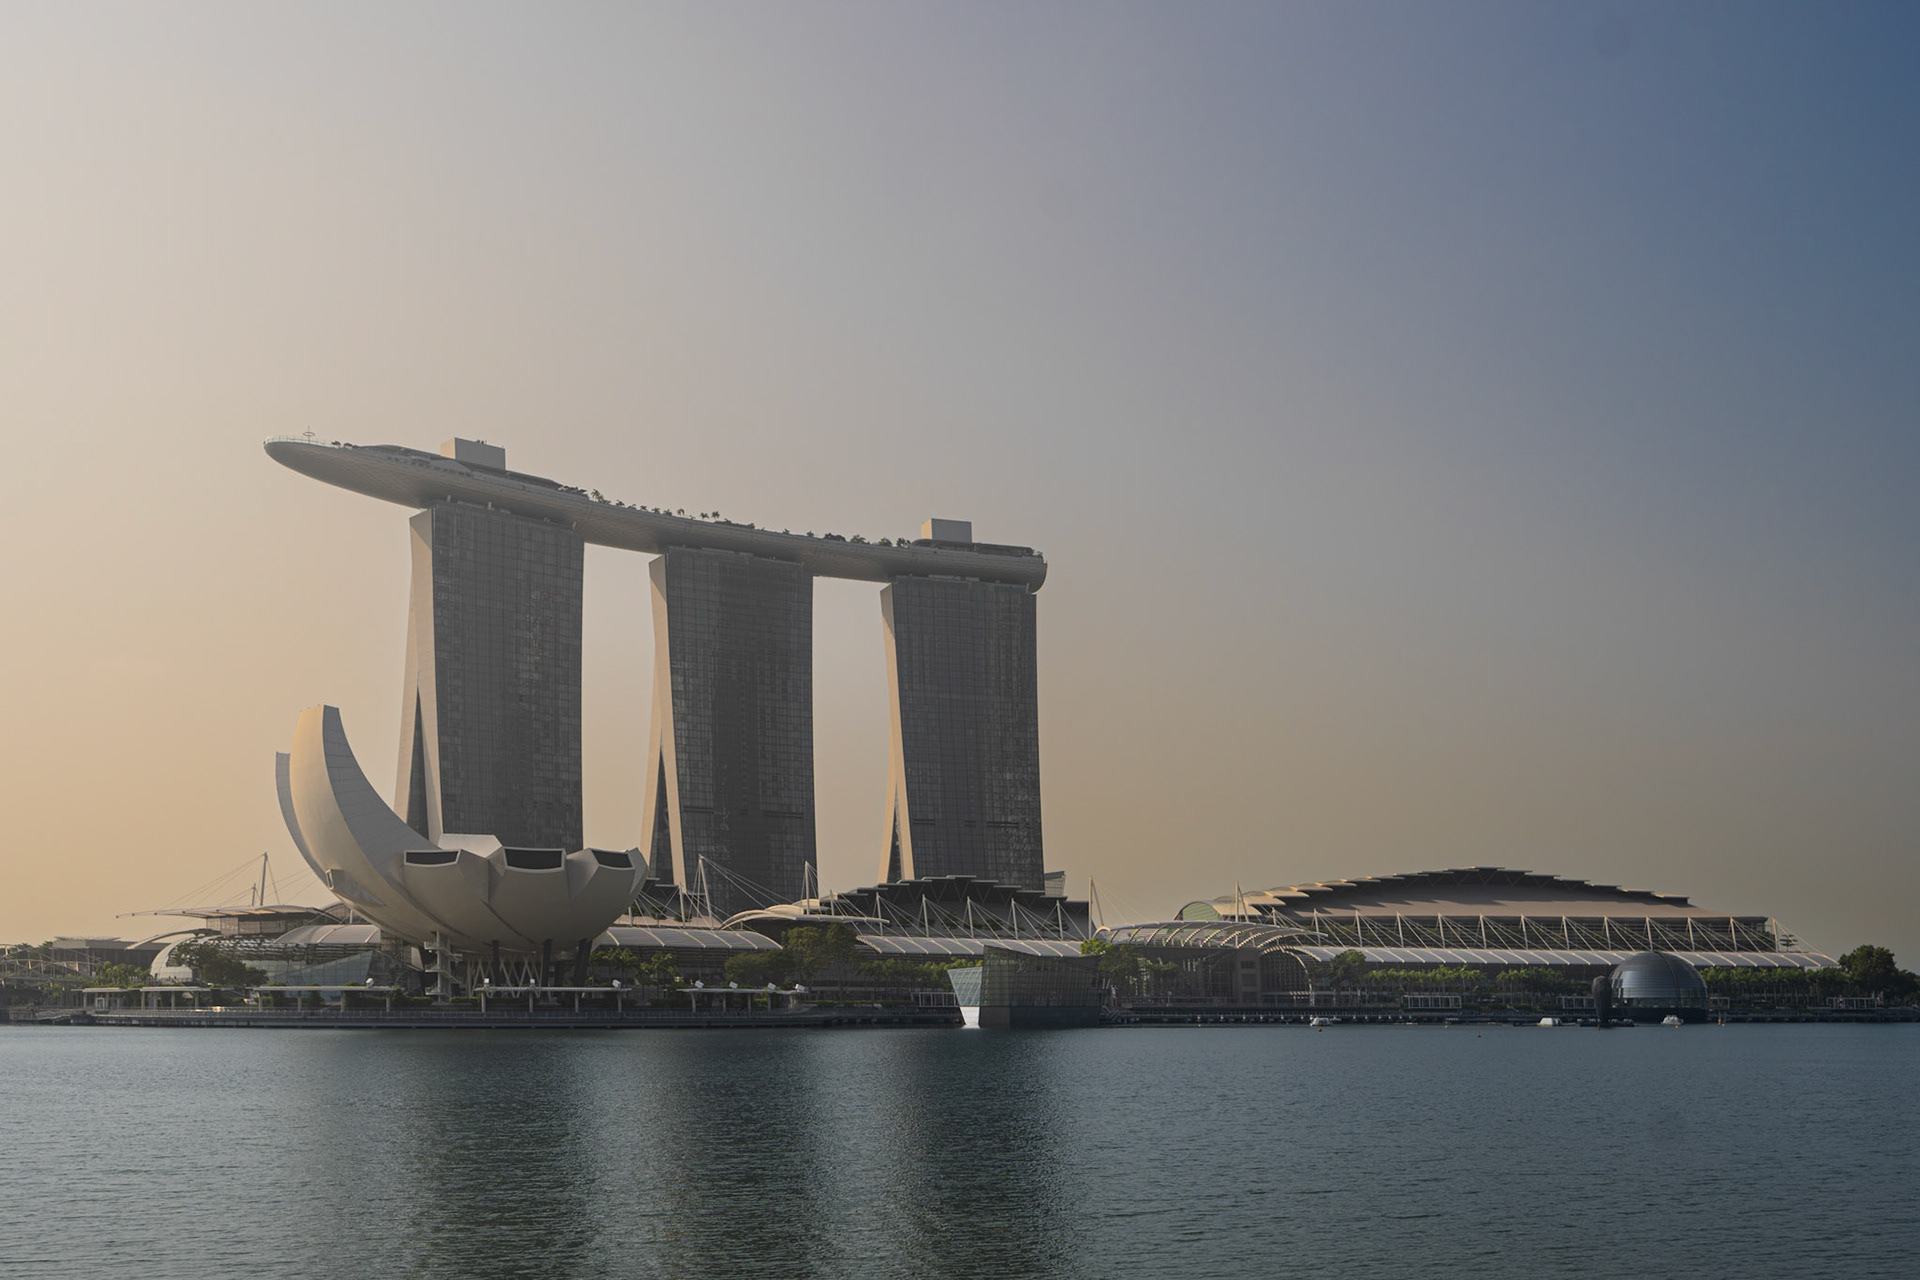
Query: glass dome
1654 979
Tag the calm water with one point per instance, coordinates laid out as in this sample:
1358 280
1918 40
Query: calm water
1710 1151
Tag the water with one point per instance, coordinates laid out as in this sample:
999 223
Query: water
1708 1151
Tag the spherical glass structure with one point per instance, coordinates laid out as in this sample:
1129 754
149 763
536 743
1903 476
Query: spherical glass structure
1654 984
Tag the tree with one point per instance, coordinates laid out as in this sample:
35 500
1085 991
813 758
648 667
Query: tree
1869 966
217 967
620 959
812 948
1120 961
115 974
657 969
1347 967
1126 967
758 968
660 969
907 973
1871 970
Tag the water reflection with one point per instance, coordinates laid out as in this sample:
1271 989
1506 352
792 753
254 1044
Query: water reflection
464 1152
1382 1152
715 1161
965 1170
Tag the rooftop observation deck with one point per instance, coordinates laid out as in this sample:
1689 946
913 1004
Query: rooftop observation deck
415 478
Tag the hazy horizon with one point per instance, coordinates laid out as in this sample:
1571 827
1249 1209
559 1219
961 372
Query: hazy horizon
1469 434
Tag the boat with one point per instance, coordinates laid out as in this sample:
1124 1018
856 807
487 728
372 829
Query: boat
1321 1022
1549 1022
1672 1020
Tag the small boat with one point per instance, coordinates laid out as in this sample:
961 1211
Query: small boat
1549 1022
1672 1020
1321 1023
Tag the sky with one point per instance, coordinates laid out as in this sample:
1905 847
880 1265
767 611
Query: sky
1467 434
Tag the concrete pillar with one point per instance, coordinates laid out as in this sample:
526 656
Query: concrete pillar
730 756
964 782
490 710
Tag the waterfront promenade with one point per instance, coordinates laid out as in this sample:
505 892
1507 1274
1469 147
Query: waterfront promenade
514 1017
502 1017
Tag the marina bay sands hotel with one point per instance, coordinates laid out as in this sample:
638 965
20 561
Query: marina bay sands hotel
492 697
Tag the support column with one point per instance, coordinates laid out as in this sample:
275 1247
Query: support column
730 758
443 964
490 711
964 781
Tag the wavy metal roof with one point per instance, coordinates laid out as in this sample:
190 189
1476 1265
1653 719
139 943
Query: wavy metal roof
1570 959
788 913
1456 890
666 936
331 935
1208 933
895 946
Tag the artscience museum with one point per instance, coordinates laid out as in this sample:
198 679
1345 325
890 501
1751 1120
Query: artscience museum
463 894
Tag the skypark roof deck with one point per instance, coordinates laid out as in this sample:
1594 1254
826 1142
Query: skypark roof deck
415 478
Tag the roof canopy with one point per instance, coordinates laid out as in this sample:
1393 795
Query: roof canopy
1515 959
894 946
1468 891
662 937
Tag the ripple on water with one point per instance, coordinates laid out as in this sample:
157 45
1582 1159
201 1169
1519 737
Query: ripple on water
1185 1151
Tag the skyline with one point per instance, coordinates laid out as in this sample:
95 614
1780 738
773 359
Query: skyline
1472 439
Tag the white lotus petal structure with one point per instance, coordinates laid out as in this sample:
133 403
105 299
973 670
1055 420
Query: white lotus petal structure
465 892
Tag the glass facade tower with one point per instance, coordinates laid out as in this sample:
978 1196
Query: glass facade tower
964 786
728 809
490 716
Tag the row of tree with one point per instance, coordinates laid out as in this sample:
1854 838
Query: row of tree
809 953
216 966
213 965
1864 971
1131 971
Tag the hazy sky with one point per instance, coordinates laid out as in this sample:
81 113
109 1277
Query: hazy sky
1459 433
